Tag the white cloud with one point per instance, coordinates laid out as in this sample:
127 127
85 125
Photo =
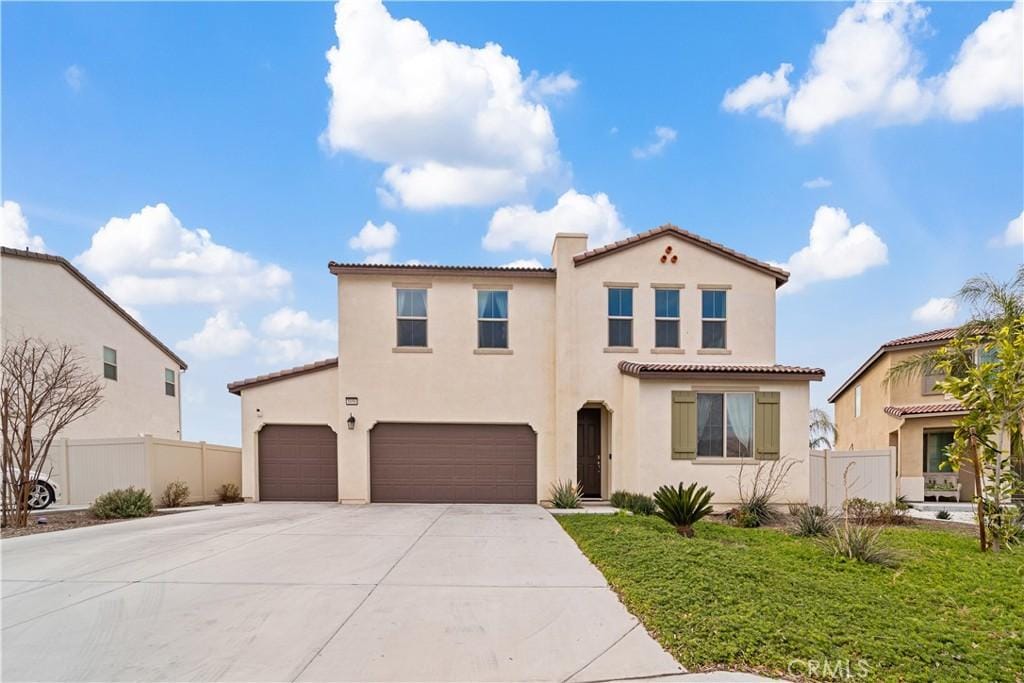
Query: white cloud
868 66
151 258
293 351
222 335
663 136
14 232
288 322
456 125
524 226
817 183
551 86
837 250
523 263
989 70
1013 235
763 92
74 76
936 310
379 240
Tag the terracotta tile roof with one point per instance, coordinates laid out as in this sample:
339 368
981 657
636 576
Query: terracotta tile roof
406 268
237 387
677 370
925 409
780 275
100 294
923 339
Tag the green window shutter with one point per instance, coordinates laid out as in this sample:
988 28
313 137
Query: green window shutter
684 425
766 425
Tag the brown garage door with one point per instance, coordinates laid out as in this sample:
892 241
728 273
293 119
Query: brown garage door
447 463
298 462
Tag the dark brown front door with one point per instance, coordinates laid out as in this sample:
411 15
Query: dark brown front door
298 462
453 463
588 451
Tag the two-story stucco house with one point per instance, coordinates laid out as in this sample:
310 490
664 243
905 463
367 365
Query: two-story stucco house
46 297
632 365
912 415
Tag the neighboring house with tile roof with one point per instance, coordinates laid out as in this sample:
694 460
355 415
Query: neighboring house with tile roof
45 296
910 415
646 362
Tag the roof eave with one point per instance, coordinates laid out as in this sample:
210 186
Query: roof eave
690 374
882 350
451 271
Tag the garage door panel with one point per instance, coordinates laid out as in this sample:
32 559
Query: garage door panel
298 462
443 463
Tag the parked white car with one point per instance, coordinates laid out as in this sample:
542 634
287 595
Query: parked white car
44 492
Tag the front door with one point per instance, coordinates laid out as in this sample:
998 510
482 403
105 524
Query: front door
588 451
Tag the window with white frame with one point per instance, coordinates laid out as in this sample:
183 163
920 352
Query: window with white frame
492 319
170 382
110 363
620 316
666 318
856 401
725 425
412 317
713 319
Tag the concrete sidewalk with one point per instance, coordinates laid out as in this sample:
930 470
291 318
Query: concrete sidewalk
318 592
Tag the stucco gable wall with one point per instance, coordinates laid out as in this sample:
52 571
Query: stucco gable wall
42 299
311 398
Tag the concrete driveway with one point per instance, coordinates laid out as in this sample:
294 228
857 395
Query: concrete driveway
317 592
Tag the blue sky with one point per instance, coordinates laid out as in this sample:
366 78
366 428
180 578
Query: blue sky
221 112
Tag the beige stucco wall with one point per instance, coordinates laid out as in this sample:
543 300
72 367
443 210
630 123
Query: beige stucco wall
41 299
911 457
644 461
310 398
451 383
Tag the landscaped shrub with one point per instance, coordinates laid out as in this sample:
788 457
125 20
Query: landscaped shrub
812 520
566 494
175 494
229 493
755 506
943 514
641 504
743 517
683 507
863 511
123 503
637 503
860 543
619 499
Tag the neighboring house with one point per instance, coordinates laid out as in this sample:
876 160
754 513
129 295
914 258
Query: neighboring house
910 415
646 362
46 297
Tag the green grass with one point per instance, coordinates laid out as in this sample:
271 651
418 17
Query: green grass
756 599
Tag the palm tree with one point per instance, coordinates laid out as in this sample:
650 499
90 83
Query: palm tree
823 432
993 305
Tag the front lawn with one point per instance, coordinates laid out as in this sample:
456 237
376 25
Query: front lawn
761 600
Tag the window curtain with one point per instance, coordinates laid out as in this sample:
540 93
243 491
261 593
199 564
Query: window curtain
740 423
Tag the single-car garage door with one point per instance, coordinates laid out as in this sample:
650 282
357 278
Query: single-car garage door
298 462
453 463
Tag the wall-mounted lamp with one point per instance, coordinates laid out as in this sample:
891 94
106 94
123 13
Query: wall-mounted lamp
351 421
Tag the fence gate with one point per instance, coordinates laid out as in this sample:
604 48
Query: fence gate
869 474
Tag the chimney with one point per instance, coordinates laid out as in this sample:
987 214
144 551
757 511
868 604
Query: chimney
565 246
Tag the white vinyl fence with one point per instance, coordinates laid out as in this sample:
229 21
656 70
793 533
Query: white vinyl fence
87 468
868 474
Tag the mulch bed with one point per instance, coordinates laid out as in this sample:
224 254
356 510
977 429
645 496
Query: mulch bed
56 521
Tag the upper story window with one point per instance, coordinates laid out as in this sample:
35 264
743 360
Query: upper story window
725 425
713 319
170 382
856 401
110 363
666 318
929 379
492 319
620 316
984 355
412 317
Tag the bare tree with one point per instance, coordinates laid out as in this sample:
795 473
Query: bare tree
44 387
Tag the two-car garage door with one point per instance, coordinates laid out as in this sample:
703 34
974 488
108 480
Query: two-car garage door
453 463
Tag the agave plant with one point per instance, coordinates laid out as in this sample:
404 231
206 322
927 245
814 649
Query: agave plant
683 507
566 494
